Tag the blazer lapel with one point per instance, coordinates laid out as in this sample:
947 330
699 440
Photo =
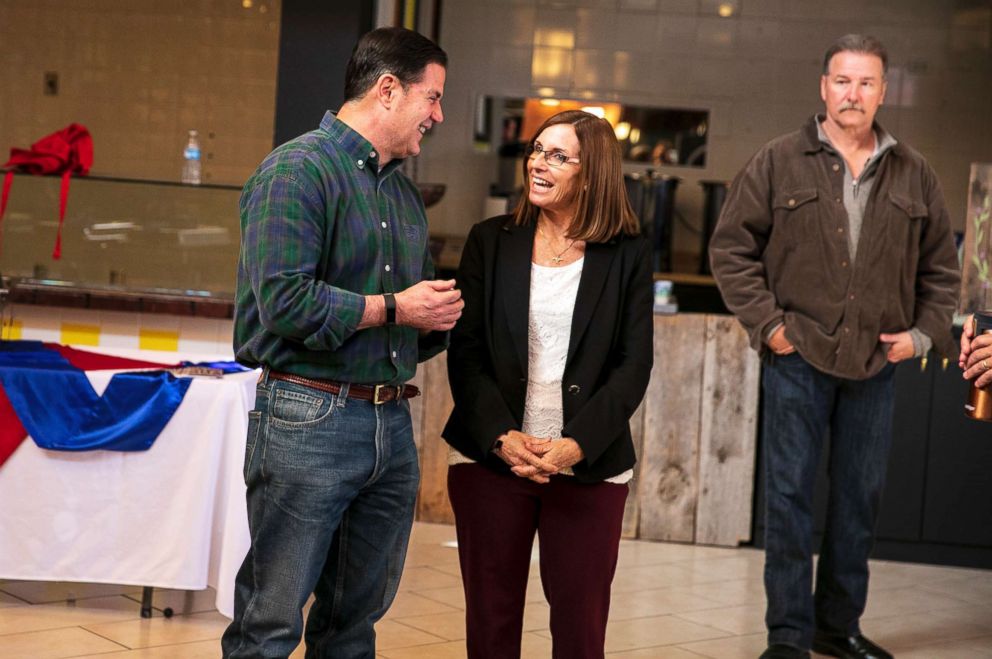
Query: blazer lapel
513 262
598 258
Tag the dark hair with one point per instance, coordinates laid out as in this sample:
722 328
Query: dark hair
857 43
603 211
401 52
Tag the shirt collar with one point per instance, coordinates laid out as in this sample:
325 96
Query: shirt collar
883 139
363 154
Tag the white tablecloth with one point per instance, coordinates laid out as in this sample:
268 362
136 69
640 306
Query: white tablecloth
172 517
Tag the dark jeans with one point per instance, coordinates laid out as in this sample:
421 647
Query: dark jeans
579 525
800 405
332 483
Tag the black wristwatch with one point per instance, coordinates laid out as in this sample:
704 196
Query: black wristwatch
390 300
497 445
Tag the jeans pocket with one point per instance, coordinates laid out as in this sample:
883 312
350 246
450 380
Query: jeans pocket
254 424
310 470
294 406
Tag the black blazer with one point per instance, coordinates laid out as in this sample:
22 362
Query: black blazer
610 348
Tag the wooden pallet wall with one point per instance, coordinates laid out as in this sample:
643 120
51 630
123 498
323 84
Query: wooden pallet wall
695 434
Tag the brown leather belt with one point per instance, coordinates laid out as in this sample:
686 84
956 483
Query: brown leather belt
377 394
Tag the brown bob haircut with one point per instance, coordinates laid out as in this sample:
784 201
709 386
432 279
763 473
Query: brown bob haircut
603 211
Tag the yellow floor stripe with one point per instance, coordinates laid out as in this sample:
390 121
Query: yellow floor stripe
150 339
79 334
11 330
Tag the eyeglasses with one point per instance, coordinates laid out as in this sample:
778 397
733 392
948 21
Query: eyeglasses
553 158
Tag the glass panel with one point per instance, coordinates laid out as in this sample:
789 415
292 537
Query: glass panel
649 135
124 234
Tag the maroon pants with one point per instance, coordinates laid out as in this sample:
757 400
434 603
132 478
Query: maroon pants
496 516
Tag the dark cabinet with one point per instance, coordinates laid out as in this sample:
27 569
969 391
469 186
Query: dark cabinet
957 506
937 503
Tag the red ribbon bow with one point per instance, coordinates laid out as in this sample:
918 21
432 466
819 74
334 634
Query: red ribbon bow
68 151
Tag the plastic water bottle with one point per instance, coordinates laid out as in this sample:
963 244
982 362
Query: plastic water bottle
664 301
191 162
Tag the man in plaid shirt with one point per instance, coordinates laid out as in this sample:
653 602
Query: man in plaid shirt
336 301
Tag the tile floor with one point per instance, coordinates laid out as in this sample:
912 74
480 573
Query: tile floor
670 601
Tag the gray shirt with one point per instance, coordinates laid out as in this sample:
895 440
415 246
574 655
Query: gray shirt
857 190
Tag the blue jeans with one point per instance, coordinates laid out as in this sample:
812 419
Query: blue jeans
800 405
332 483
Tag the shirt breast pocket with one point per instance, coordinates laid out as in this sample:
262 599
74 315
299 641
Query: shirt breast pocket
415 236
414 233
797 215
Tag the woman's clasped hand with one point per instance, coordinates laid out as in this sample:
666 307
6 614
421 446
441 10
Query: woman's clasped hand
538 458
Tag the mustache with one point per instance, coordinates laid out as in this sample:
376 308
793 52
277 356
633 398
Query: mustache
851 106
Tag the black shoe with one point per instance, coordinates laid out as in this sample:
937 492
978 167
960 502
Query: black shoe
782 651
848 647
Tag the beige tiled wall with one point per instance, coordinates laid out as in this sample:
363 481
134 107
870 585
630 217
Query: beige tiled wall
757 72
140 74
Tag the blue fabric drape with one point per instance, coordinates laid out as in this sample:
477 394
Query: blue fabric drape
60 409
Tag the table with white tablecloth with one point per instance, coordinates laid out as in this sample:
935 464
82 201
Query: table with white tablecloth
172 517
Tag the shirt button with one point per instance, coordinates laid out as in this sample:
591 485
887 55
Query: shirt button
836 167
851 296
394 354
792 202
839 200
360 162
574 389
388 268
840 229
371 154
843 264
383 225
847 330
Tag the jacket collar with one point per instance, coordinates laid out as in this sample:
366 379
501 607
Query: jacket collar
599 256
812 142
516 247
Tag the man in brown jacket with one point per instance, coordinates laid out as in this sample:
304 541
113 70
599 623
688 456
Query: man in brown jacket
835 252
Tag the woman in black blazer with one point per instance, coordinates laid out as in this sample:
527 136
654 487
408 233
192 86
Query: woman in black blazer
551 357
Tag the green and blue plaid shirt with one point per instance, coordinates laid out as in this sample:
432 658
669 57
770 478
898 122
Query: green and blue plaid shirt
321 227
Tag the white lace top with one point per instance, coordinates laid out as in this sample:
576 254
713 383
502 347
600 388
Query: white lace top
552 300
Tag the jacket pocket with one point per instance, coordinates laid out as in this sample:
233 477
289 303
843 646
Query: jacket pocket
904 219
910 207
796 214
